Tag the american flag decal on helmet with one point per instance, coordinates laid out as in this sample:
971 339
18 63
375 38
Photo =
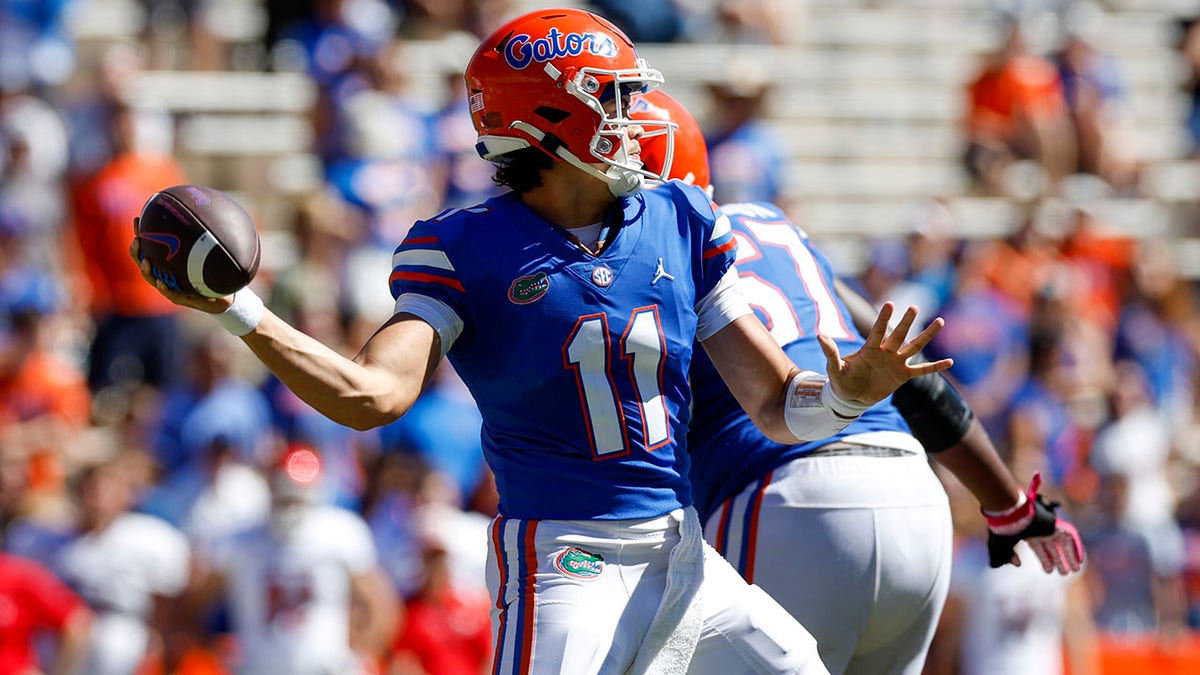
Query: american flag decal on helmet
476 102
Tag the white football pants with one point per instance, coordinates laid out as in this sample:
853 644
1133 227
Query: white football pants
857 548
580 597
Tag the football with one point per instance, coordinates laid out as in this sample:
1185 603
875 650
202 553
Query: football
199 241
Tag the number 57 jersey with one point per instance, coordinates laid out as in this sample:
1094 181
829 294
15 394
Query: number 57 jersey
578 362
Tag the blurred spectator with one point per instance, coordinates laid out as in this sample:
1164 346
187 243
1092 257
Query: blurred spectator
1156 329
1137 581
36 49
1136 444
212 410
446 628
332 41
933 250
744 155
1012 620
404 500
1094 88
44 400
127 566
643 20
752 22
304 590
987 334
468 178
1099 261
235 498
1016 111
33 157
443 427
1041 430
387 167
137 337
1190 51
92 106
36 603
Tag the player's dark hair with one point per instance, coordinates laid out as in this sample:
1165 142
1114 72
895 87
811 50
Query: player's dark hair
521 170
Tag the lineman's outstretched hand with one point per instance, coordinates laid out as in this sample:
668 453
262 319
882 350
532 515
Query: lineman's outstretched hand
881 365
210 305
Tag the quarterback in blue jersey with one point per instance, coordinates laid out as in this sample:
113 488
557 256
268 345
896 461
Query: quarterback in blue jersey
570 306
850 533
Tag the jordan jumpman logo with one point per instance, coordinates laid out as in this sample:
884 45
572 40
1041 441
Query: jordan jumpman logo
661 273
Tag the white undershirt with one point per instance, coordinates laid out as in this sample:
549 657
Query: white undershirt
587 235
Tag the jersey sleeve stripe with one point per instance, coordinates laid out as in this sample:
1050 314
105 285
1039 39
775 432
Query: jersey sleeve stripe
718 250
413 241
423 257
401 275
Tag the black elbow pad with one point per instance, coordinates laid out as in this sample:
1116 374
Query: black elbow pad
937 414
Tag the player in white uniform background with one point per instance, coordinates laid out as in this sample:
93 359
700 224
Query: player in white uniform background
852 534
129 567
292 584
570 307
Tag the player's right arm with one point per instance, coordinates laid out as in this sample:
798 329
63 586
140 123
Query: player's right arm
372 389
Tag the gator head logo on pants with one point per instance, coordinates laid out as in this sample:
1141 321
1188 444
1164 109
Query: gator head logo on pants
579 564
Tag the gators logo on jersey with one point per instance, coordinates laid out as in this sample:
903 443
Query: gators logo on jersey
529 288
579 564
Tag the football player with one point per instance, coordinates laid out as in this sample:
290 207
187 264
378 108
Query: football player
852 533
569 306
304 588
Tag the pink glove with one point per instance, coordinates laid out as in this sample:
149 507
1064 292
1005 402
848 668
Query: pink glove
1055 541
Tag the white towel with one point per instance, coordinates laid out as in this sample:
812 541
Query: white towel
670 642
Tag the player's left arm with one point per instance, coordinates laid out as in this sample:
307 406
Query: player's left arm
945 424
790 405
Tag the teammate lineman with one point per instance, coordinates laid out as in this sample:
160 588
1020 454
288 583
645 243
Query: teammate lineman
851 534
569 306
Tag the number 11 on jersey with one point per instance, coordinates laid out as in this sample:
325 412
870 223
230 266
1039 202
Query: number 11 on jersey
589 352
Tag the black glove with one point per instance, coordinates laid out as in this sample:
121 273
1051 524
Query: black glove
1055 541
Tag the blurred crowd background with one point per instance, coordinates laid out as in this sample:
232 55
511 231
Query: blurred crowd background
1027 169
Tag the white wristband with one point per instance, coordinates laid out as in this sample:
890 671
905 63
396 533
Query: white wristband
841 406
812 411
244 314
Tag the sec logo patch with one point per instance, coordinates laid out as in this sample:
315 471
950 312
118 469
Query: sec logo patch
602 276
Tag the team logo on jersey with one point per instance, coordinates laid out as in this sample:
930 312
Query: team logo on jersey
520 51
579 564
602 276
529 288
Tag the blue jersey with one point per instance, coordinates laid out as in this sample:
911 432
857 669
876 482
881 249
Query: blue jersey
578 363
790 286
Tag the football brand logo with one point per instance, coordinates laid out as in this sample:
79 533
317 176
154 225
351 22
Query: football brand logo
169 240
579 564
526 289
602 277
520 51
198 196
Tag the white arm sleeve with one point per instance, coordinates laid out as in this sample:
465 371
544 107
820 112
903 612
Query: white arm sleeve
436 313
812 411
721 306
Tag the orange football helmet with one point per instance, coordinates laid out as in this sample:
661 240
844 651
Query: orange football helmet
542 80
682 155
